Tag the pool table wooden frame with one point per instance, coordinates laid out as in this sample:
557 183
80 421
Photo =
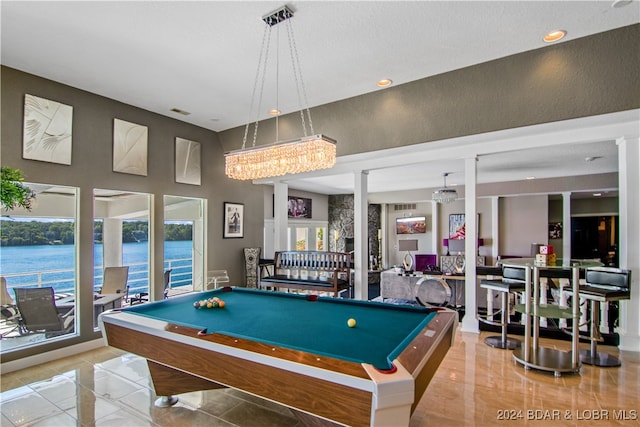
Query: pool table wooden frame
354 394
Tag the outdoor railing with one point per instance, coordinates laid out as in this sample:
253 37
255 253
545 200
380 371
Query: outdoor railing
63 281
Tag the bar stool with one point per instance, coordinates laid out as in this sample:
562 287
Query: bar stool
513 281
602 284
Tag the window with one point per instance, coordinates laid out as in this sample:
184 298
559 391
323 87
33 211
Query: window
38 254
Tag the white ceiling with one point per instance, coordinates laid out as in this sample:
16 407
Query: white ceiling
201 57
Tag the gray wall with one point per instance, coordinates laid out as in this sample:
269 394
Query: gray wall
523 220
577 78
91 168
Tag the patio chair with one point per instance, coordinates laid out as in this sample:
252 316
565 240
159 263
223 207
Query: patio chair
114 281
8 309
38 312
144 296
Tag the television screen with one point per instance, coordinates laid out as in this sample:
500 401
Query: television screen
412 225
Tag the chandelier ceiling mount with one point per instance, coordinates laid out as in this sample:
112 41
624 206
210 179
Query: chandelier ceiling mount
445 194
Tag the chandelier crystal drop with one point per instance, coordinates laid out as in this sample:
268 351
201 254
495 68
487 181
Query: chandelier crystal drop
280 158
445 194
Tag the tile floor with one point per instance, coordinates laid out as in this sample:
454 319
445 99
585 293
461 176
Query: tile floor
475 386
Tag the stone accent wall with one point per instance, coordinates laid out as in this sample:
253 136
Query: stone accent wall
341 211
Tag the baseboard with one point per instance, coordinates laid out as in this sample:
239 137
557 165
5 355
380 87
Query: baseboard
38 359
629 342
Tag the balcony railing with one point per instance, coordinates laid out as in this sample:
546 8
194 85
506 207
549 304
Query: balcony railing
63 281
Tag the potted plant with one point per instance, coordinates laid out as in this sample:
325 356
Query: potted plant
14 193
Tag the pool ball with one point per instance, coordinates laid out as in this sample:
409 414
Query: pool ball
351 323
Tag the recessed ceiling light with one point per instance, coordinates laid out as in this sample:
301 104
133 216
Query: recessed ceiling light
384 82
554 36
274 112
179 111
531 177
597 194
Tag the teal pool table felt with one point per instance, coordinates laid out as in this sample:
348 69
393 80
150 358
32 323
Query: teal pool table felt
293 321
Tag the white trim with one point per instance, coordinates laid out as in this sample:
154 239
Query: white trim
30 361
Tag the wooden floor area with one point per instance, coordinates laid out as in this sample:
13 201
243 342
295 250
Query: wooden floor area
476 385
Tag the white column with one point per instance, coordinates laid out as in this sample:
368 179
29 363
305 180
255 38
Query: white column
112 242
197 273
436 239
566 250
495 248
629 249
360 232
495 227
469 321
566 225
280 219
384 217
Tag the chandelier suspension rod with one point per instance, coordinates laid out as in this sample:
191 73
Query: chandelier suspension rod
277 82
255 86
299 80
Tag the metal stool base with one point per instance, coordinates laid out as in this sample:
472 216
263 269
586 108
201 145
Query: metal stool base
496 342
602 359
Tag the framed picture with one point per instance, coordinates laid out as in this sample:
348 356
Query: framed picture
555 230
130 147
412 225
457 228
47 130
187 161
299 207
233 221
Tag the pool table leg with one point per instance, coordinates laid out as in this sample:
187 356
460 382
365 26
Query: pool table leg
165 401
168 381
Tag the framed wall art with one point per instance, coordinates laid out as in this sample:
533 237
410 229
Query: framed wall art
47 130
555 230
298 207
457 227
187 161
233 221
130 147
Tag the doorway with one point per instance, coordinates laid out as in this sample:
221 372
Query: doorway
595 237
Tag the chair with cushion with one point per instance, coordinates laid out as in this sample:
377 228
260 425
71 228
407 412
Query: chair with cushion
251 269
602 284
38 312
513 281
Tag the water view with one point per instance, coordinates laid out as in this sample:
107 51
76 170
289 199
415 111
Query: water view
53 265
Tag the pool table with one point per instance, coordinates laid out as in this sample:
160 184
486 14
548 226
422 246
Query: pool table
296 350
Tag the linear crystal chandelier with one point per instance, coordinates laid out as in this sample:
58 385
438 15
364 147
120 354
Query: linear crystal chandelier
445 194
310 152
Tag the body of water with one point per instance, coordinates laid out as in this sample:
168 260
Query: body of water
58 261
